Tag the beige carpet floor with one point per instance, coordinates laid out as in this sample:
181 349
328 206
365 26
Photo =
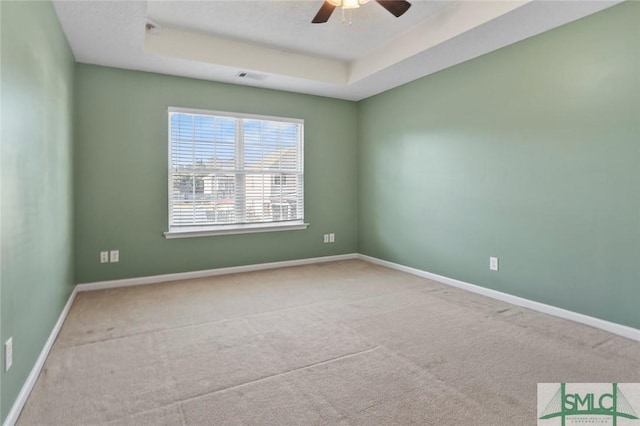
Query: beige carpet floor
343 343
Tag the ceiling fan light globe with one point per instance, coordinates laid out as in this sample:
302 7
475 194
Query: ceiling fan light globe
335 3
350 4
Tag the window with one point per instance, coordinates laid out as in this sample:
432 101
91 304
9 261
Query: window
234 173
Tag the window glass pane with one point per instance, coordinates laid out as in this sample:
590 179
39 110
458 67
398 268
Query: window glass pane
228 170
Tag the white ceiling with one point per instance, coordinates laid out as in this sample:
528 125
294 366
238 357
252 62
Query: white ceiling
275 42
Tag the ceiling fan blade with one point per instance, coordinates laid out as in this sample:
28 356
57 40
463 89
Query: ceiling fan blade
396 7
324 13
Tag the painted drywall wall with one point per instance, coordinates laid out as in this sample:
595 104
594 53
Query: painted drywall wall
121 174
531 154
36 171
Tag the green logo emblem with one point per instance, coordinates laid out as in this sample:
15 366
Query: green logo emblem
586 404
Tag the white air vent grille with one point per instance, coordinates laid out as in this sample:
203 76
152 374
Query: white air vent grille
251 75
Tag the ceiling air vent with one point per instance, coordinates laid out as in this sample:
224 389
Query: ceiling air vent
251 75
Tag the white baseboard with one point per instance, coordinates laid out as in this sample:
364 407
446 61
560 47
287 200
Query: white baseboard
619 329
18 404
101 285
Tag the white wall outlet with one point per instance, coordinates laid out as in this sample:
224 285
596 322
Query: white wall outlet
8 354
104 257
326 238
493 263
114 256
332 237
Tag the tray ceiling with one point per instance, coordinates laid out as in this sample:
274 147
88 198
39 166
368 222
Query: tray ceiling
277 46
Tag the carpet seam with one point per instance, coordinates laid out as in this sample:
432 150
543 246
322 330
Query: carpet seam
272 376
220 321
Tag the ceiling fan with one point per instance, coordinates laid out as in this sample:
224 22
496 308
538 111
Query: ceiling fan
395 7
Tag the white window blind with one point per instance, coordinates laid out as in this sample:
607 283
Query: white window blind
230 171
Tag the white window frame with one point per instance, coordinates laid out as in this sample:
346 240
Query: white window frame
203 231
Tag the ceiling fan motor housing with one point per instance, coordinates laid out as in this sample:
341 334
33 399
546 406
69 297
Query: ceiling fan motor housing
396 7
348 4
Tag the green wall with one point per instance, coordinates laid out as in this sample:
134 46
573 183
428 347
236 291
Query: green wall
36 188
121 174
530 153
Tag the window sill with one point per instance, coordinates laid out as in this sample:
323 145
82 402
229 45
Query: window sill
234 229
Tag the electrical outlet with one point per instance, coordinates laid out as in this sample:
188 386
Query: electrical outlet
332 238
8 354
104 257
493 263
114 256
326 238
